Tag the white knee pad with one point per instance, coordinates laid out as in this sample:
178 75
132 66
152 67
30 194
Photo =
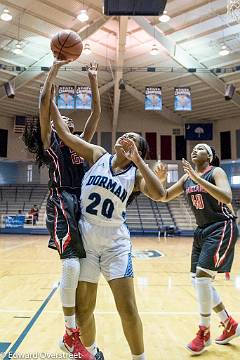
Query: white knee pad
69 281
216 300
204 294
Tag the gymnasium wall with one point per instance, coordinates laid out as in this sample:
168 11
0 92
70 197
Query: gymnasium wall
141 121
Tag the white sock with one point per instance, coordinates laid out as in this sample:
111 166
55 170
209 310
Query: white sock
139 357
70 321
92 349
204 321
204 297
223 315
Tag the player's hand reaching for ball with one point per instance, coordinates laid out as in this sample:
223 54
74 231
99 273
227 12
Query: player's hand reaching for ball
129 150
92 71
189 170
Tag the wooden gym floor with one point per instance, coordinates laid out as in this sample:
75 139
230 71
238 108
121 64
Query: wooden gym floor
31 321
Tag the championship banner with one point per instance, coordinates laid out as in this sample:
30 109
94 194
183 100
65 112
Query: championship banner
182 99
199 131
65 98
16 221
153 98
83 98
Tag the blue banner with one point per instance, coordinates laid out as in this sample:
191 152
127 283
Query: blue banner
15 221
199 131
153 98
182 99
66 95
83 97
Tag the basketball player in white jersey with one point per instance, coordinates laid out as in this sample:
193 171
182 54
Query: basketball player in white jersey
105 190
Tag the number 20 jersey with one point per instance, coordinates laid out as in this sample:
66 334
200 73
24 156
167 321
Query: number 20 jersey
206 208
105 193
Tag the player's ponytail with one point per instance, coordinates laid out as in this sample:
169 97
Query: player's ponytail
32 140
215 161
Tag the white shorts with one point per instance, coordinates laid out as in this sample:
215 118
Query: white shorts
108 251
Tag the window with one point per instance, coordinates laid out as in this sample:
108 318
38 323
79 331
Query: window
235 180
29 173
172 173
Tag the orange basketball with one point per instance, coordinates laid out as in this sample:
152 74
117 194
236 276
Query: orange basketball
66 45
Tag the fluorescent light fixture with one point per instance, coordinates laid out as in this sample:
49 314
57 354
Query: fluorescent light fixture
18 49
154 50
83 16
164 17
224 51
87 50
235 180
6 16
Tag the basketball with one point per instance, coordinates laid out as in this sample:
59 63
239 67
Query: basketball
66 45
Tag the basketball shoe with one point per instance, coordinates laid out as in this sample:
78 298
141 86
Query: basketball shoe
231 330
198 345
71 344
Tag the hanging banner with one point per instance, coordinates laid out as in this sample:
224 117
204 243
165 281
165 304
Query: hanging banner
182 99
83 98
199 131
153 98
65 99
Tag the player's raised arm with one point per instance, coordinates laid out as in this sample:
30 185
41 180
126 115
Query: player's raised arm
45 121
92 122
173 191
87 151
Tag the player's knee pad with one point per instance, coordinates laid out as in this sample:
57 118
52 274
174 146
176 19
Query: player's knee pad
216 300
204 294
69 281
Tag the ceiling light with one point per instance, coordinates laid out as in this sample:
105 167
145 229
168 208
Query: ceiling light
18 49
6 16
83 16
87 50
165 17
154 50
224 51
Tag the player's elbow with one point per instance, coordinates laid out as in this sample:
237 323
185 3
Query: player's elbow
159 196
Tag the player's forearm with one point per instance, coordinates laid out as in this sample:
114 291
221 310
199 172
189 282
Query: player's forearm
219 194
47 87
61 127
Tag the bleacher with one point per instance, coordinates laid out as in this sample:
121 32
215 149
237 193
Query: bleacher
22 197
144 216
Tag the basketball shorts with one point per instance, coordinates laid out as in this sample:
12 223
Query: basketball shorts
213 246
108 251
63 213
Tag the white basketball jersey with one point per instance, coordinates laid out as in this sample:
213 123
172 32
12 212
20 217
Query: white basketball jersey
105 193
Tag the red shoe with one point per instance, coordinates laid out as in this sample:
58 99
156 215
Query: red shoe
231 330
72 344
198 345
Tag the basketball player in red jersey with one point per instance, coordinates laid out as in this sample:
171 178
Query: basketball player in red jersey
66 171
208 192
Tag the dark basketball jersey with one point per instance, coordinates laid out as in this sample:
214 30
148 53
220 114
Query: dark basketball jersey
66 168
206 208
